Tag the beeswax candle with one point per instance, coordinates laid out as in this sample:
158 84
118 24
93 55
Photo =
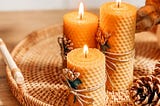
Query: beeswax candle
80 29
92 74
119 21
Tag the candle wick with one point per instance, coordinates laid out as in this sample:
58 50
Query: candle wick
85 55
81 16
118 4
85 51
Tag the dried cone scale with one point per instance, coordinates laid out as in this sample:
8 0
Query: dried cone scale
156 71
145 91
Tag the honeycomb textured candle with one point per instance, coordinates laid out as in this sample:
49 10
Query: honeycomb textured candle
120 23
92 73
80 31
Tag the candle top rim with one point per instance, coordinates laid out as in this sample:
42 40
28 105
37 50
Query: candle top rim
88 17
121 3
77 56
125 8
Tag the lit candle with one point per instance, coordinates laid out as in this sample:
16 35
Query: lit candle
80 27
119 19
92 73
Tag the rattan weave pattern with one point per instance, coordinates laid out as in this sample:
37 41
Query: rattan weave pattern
147 53
38 57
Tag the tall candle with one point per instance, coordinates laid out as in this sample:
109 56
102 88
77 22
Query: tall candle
92 74
80 28
119 19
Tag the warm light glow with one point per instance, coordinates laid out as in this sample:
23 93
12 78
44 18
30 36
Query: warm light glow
118 3
81 10
85 50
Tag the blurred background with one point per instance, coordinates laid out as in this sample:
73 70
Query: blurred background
18 5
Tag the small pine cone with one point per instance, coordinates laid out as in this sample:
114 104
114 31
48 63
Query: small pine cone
68 45
145 91
156 71
102 37
70 74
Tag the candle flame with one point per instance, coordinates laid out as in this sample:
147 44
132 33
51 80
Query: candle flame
85 50
118 3
81 10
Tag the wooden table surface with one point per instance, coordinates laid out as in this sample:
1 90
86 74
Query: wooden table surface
14 26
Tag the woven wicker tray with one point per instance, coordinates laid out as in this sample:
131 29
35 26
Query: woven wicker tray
38 57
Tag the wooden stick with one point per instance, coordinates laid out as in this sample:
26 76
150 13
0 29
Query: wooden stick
17 75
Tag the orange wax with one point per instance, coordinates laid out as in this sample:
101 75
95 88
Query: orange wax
119 22
80 31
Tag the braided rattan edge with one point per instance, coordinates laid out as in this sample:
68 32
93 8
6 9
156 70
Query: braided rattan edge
19 90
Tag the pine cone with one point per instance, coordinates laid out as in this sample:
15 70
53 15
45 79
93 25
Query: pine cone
145 91
65 44
70 74
156 71
102 39
68 45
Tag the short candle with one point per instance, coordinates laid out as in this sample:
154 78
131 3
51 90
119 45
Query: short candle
92 73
